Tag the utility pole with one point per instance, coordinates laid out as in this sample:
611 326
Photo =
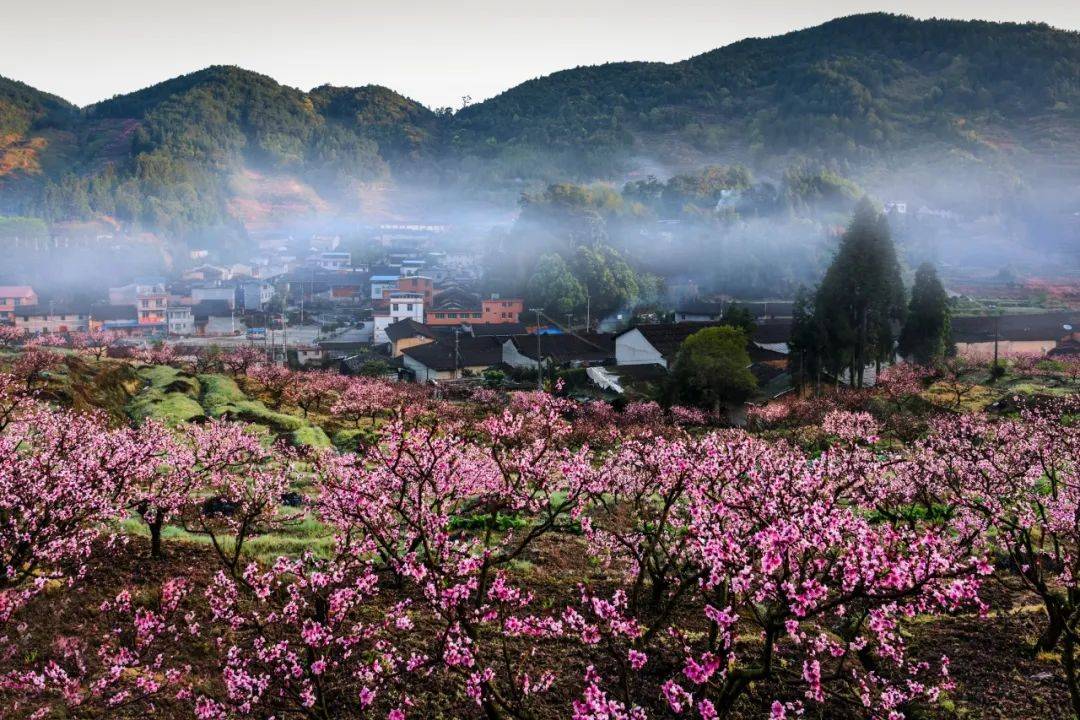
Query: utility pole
539 357
588 308
285 335
456 331
997 335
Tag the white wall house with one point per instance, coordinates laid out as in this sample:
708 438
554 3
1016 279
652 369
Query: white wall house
402 306
631 348
514 357
180 320
228 294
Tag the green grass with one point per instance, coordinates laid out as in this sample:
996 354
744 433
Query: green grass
170 408
310 435
352 438
220 394
305 535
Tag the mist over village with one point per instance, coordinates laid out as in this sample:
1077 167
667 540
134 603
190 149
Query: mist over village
720 385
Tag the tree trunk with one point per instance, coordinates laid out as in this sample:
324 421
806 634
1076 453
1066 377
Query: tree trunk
1069 661
1054 628
155 534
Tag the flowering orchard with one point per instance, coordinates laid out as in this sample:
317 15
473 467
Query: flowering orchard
523 557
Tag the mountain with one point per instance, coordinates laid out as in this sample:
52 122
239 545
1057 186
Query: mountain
856 88
880 98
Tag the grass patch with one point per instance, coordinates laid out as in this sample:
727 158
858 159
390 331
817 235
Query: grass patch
220 394
170 408
306 535
311 436
254 411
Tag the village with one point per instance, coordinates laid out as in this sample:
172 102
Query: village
419 313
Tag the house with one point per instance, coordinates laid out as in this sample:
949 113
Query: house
483 329
140 287
382 284
35 319
407 333
116 318
215 317
658 344
496 310
400 306
255 295
1036 333
450 359
418 284
1067 347
334 260
560 350
13 296
454 306
151 307
209 273
699 311
348 342
180 320
309 355
224 293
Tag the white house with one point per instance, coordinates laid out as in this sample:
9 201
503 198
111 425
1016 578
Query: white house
401 306
214 292
180 320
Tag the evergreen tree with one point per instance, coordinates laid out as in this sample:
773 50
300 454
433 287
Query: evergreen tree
807 342
927 334
861 297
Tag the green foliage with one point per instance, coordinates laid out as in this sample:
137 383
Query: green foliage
554 288
853 88
927 333
23 109
712 368
861 296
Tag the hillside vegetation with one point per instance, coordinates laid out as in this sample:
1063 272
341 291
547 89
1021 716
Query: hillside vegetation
864 94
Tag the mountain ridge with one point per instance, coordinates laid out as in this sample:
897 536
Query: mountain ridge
860 94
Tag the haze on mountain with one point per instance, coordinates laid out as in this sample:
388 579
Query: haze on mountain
963 114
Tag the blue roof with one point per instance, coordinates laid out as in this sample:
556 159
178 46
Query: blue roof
383 278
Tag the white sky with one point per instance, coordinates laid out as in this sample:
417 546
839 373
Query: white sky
433 51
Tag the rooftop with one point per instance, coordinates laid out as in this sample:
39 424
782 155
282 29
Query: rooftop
1042 326
407 328
588 347
471 352
16 291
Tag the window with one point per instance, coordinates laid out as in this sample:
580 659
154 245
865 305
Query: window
408 307
396 307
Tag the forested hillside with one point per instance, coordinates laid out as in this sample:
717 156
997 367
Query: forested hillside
866 96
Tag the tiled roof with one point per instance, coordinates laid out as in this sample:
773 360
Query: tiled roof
407 328
1043 326
16 291
562 348
471 352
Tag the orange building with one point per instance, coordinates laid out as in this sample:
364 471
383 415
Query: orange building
497 311
13 296
417 284
152 308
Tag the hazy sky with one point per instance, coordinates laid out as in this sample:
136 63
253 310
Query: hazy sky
434 51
